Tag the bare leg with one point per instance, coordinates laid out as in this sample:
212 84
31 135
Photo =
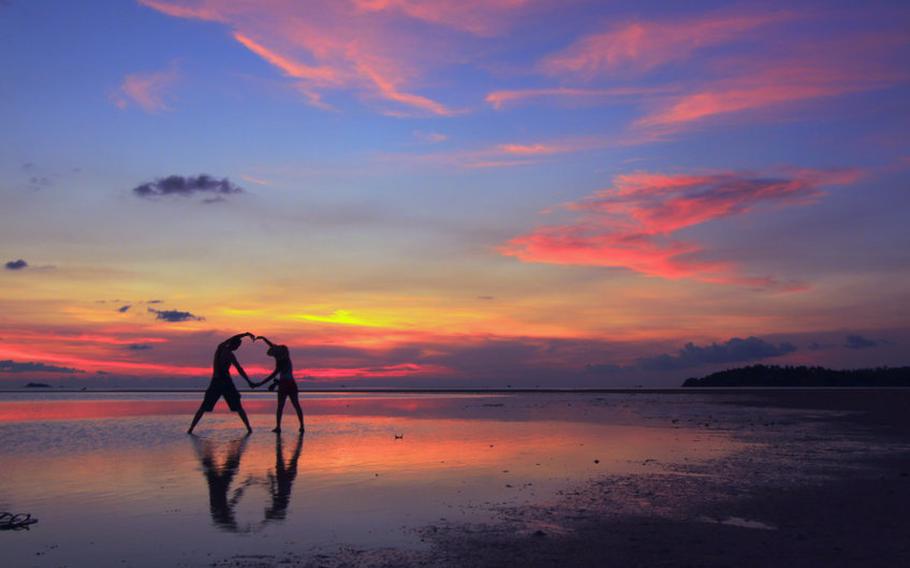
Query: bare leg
196 418
281 399
296 402
246 421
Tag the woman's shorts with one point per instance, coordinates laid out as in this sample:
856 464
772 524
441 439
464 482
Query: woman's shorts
217 390
287 388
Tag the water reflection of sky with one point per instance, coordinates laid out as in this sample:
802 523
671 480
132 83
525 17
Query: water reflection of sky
116 477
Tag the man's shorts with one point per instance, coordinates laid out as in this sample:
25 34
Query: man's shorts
218 389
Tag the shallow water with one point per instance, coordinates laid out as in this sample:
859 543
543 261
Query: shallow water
114 479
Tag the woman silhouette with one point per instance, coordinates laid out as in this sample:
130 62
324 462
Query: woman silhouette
287 387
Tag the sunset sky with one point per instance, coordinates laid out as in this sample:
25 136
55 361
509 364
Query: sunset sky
452 192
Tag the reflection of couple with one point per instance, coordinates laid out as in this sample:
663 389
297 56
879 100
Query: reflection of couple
222 385
220 477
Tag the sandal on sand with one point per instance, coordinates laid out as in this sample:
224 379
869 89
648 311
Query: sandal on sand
9 521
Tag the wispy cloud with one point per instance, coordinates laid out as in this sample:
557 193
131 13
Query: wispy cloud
10 366
500 99
640 46
147 90
364 46
634 223
431 137
480 17
801 76
256 180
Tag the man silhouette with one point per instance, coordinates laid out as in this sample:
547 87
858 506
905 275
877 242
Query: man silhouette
221 384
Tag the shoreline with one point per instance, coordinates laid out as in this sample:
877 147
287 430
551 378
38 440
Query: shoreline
621 390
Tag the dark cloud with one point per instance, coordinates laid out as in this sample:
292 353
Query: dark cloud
16 264
735 350
486 297
186 186
860 342
39 182
124 309
10 366
154 301
138 346
174 315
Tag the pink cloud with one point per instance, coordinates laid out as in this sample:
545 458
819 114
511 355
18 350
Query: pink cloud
499 99
635 223
146 90
368 47
481 17
644 45
198 10
528 149
797 78
431 137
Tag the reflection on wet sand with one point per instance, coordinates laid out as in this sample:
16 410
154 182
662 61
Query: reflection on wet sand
220 474
282 480
220 477
103 471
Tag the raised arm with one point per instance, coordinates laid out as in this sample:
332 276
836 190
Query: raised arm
266 339
239 336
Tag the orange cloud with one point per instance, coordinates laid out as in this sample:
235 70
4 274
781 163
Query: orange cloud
645 45
147 90
633 224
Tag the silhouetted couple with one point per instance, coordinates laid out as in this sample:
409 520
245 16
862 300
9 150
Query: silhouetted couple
223 386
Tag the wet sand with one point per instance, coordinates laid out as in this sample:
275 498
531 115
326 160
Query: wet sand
826 484
819 500
746 478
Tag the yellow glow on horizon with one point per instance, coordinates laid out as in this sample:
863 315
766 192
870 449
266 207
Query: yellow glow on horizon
345 317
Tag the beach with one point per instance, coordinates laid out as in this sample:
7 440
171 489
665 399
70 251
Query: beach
718 478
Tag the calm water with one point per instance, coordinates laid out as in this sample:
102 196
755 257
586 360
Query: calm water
115 480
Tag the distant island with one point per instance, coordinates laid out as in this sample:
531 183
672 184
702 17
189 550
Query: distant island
802 376
37 386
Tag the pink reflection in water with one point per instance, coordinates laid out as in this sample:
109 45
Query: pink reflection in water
103 472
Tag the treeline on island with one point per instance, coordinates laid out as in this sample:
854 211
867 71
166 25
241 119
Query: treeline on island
802 376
